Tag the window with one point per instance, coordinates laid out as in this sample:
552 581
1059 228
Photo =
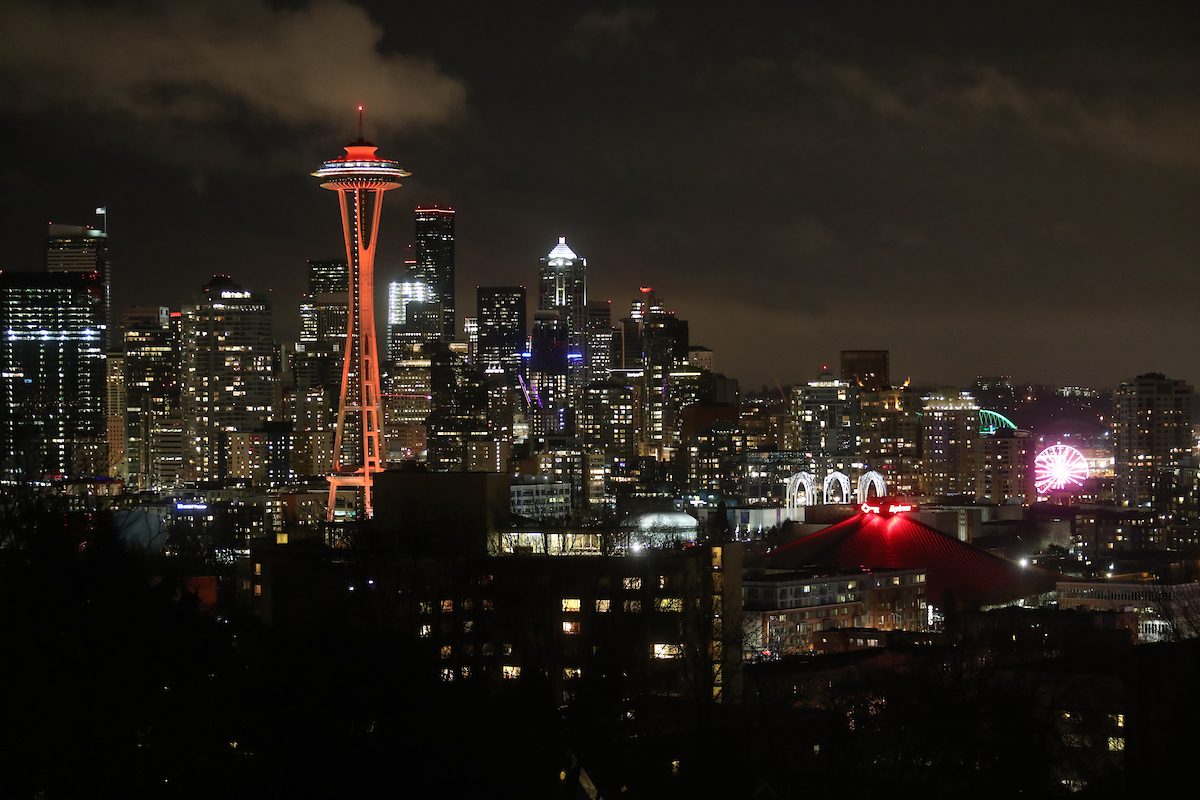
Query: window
257 568
633 584
510 672
468 625
666 651
570 627
633 606
570 673
466 672
1117 719
447 675
447 606
426 631
603 605
570 604
281 538
1116 744
426 608
258 590
670 604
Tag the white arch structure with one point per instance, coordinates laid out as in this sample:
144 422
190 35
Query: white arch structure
801 481
866 482
843 483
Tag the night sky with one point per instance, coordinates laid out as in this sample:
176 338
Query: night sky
1009 188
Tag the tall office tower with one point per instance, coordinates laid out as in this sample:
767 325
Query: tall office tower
950 428
562 287
52 374
228 384
1004 470
116 417
867 369
546 382
80 249
471 335
151 376
1152 417
325 305
890 437
598 341
414 316
826 417
502 329
653 350
435 262
360 178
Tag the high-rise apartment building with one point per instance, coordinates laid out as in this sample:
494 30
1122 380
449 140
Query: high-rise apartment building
52 374
1152 426
228 381
826 416
1005 467
500 311
949 432
890 437
435 263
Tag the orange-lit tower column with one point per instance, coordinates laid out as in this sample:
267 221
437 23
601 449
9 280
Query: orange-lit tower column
360 178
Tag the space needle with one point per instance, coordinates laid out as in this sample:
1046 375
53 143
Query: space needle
360 178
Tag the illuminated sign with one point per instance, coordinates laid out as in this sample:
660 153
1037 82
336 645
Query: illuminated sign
886 506
191 506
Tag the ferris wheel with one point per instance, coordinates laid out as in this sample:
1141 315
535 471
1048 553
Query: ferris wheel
1057 468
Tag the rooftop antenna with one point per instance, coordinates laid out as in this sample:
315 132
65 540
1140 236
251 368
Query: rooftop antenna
360 128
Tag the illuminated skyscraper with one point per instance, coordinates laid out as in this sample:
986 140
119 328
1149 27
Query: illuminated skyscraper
562 287
53 383
435 262
501 321
360 178
228 384
82 250
325 306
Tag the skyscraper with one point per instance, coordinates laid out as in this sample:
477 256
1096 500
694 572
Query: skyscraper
150 367
83 250
1152 426
502 330
562 287
360 178
228 384
435 262
53 383
414 318
325 306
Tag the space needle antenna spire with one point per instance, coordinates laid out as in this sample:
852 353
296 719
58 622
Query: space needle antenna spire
360 178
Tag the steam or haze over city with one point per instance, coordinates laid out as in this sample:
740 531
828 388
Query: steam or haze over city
980 189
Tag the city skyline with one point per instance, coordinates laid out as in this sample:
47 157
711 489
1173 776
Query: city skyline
987 194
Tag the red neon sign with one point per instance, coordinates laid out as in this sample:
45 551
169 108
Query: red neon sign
892 507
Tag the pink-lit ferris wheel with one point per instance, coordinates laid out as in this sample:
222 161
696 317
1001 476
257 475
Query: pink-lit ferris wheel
1059 468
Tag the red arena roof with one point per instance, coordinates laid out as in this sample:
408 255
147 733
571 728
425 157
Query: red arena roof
898 542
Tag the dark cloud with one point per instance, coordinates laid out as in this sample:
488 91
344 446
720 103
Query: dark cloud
178 65
597 31
979 96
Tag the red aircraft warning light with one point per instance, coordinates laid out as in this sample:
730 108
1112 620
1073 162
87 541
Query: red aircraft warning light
360 178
